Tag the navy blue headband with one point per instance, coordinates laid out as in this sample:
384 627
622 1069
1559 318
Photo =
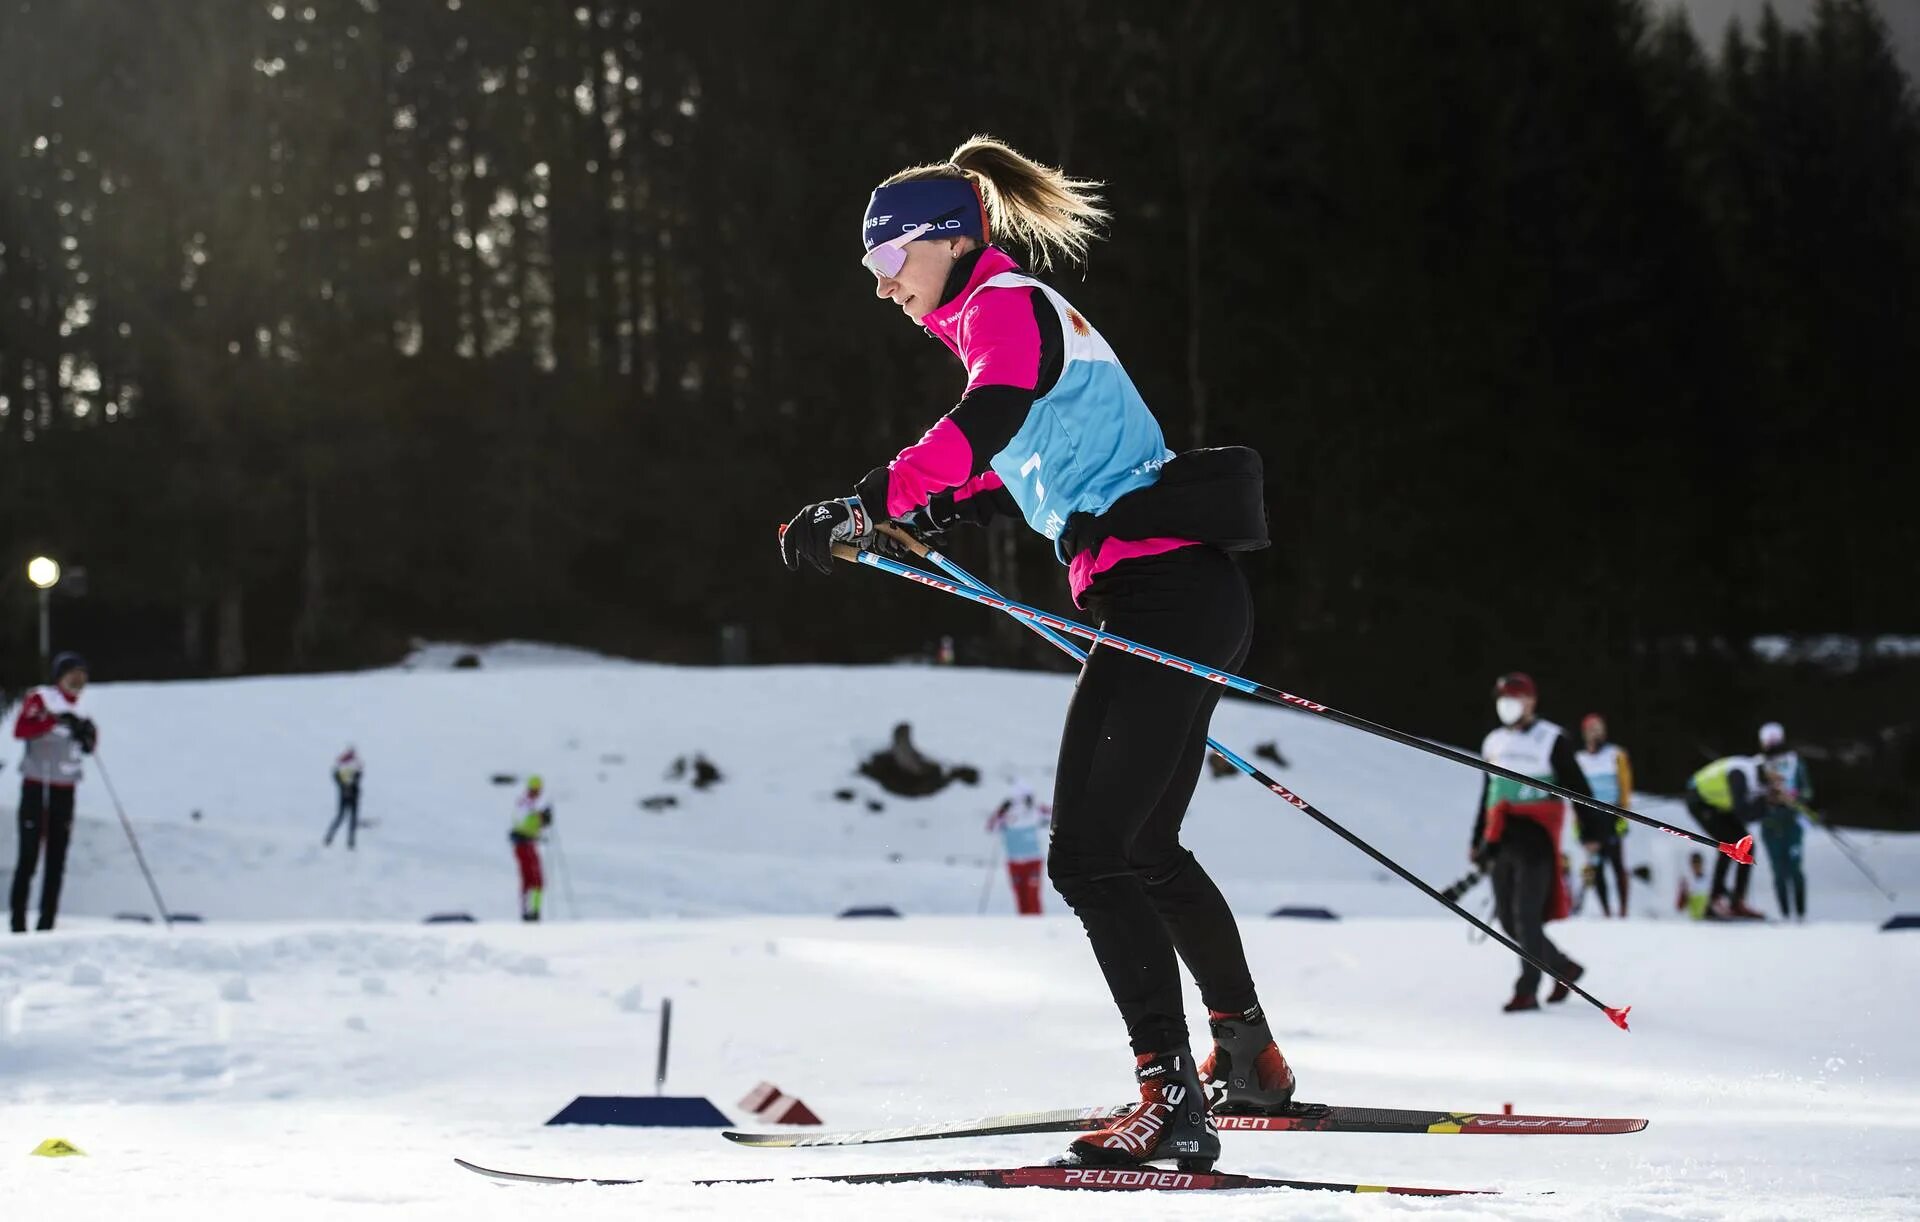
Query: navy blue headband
950 205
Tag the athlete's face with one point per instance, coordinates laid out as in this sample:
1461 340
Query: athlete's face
1596 732
73 682
1514 710
916 290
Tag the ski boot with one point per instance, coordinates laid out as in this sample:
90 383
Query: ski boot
1245 1073
1169 1123
1521 1003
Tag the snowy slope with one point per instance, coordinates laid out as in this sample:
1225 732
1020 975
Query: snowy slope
253 757
333 1071
312 1052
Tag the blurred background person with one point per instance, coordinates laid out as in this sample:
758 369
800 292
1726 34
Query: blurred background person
1609 775
57 735
532 816
1788 791
1517 830
1019 821
1723 798
347 771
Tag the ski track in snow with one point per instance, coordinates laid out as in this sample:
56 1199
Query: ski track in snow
313 1053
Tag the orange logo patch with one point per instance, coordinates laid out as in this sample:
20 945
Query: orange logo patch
1079 324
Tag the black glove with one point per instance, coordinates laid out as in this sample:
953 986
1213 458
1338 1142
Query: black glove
934 517
83 730
1483 854
815 529
944 510
546 818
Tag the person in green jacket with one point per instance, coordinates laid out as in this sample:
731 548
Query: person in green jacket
532 815
1723 798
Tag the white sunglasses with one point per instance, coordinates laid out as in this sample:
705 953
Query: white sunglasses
890 256
886 259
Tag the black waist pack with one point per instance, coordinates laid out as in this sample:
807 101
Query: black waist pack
1214 496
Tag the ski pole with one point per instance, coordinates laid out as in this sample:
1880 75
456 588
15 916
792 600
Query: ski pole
1741 850
566 878
1847 850
1619 1016
666 1031
986 884
166 922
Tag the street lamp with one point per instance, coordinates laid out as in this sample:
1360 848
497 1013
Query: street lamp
44 573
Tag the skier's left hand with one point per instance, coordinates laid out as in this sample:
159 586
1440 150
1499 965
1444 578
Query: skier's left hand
83 730
811 534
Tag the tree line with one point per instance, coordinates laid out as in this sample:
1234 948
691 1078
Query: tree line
1572 345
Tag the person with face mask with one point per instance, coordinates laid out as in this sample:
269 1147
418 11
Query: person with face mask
57 737
1516 834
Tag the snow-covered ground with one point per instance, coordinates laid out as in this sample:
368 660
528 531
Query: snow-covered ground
314 1052
253 758
331 1070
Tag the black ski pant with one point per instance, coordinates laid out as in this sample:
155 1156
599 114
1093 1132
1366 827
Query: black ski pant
1724 826
1130 757
1523 871
349 813
46 815
1609 854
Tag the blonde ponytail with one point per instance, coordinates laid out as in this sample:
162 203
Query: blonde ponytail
1035 205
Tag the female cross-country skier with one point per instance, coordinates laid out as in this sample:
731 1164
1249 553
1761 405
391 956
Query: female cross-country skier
1051 428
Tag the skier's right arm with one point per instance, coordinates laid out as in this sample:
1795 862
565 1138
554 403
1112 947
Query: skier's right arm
1010 338
34 720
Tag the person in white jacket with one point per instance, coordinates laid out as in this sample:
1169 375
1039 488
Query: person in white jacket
1020 820
57 737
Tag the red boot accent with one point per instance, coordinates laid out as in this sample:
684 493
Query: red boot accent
1169 1122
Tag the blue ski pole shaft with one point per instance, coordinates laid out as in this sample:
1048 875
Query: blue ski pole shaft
1741 850
1619 1016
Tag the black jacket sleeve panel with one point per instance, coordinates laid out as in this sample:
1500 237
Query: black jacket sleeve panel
987 417
976 510
1743 798
1566 767
1480 812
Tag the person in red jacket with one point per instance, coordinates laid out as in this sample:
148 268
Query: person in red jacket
57 735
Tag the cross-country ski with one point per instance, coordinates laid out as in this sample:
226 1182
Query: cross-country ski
1299 1118
1092 1179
